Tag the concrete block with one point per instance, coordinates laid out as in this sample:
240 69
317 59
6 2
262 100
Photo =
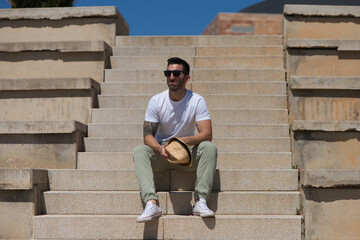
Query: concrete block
239 62
240 180
327 150
29 145
62 24
330 178
323 63
325 83
48 99
146 63
49 59
227 203
323 11
332 126
20 198
233 227
21 179
236 87
154 51
96 227
331 213
239 51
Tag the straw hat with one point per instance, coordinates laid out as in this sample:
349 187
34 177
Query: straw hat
178 152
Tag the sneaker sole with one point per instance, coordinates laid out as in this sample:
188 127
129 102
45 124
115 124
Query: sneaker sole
149 218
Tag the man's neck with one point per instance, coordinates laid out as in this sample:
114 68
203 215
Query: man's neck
178 95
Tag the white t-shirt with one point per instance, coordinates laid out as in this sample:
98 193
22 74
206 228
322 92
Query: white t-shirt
176 119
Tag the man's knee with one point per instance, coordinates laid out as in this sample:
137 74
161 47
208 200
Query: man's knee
208 147
141 151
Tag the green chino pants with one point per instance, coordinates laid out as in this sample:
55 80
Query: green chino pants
146 161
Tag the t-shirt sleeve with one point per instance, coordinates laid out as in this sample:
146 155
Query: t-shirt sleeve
151 113
202 112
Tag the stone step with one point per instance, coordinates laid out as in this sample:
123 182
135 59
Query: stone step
173 180
253 87
136 130
226 160
145 63
113 227
245 144
239 51
199 41
126 88
219 101
240 116
231 62
170 51
179 203
198 75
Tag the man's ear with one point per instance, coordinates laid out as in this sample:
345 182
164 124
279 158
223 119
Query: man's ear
187 78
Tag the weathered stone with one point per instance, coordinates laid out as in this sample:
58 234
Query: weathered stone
333 126
49 59
331 213
326 178
21 179
29 145
52 99
327 150
325 83
62 24
324 11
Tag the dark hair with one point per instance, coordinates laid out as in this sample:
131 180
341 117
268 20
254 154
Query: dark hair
176 60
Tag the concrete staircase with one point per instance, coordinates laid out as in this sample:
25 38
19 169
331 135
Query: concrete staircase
255 193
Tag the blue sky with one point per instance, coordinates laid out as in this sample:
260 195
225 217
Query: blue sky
163 17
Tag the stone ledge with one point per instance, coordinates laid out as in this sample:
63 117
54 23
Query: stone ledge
22 179
60 46
326 83
41 127
49 84
321 11
330 178
340 45
330 126
60 13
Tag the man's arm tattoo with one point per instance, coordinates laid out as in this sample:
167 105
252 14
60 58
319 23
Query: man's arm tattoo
150 128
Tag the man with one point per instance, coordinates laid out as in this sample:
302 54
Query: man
175 113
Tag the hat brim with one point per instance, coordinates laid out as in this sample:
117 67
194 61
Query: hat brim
187 149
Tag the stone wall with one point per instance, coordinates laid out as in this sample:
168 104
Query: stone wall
323 62
245 24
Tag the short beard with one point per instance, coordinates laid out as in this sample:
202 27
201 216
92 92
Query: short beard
180 84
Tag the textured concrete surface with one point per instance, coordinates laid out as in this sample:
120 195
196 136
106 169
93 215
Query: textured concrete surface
29 145
325 83
330 178
21 179
324 11
62 24
332 213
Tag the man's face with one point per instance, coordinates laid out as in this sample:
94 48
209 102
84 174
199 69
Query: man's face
176 83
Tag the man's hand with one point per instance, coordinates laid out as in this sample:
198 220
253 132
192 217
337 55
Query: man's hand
162 152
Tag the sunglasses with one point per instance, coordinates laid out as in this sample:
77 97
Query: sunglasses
176 73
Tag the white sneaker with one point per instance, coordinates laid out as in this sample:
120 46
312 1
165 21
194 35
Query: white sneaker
151 211
202 210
